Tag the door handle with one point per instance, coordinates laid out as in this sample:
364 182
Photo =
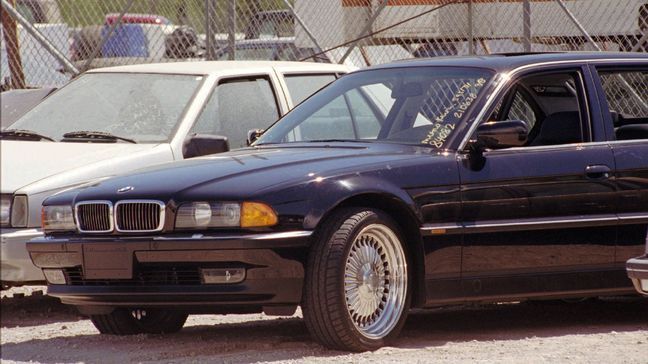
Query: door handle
597 171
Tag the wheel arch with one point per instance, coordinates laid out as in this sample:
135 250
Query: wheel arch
408 222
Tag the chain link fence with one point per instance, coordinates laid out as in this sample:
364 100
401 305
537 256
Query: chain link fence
47 42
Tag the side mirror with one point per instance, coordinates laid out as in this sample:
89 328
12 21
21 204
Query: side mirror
502 134
204 144
253 135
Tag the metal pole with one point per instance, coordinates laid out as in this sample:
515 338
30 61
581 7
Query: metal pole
526 23
578 25
364 31
471 39
303 25
209 31
17 75
231 29
40 38
113 26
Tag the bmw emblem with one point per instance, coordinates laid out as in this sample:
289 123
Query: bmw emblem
125 189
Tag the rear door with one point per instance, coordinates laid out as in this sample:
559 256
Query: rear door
624 100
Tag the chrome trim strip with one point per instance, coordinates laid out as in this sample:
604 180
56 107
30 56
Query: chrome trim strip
90 202
264 236
195 237
627 218
161 217
512 73
516 225
635 270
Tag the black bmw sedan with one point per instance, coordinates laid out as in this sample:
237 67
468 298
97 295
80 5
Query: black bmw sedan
415 184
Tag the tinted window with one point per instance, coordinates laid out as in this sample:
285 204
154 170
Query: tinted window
559 119
627 96
302 86
237 106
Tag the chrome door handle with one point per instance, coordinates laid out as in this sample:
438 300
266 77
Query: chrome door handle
597 171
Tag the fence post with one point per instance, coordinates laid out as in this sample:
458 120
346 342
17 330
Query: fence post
209 31
471 37
231 29
17 75
526 23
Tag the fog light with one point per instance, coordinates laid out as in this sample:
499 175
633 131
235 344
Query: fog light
54 276
222 275
644 285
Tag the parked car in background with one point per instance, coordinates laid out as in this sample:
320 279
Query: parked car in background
414 184
276 49
113 120
15 103
638 271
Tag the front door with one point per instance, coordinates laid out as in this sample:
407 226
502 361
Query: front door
540 218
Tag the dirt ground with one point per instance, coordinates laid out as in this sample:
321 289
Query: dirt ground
37 328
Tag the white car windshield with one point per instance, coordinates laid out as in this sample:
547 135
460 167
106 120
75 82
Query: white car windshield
413 105
137 106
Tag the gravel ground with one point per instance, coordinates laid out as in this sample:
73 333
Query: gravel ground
37 328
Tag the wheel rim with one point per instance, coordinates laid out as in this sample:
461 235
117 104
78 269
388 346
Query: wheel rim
375 281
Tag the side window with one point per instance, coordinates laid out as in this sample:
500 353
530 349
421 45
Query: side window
550 105
302 86
236 106
627 97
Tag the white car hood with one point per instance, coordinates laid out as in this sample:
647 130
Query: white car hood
32 167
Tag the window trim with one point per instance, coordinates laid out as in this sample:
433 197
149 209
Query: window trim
595 70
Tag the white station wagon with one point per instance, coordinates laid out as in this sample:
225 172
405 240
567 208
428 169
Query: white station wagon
113 120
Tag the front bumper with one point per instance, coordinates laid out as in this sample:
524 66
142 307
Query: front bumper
168 271
15 266
637 269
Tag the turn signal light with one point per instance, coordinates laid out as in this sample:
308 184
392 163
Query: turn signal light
256 214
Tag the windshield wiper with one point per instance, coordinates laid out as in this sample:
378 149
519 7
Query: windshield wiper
19 134
90 135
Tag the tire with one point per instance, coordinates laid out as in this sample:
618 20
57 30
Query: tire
348 304
132 321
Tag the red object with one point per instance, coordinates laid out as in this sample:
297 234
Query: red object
133 18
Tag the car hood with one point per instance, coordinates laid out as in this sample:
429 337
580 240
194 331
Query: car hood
34 167
253 172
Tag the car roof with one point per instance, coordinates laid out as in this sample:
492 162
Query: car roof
503 62
222 67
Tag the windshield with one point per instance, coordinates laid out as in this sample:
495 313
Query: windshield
410 105
139 106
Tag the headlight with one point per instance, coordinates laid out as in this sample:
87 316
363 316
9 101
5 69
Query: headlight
19 211
200 215
5 209
57 218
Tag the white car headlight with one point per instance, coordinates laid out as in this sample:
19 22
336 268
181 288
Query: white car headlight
57 218
19 211
5 210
